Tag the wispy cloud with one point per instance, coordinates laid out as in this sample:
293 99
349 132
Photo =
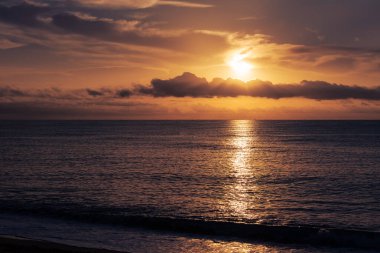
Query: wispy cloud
128 31
184 4
8 92
137 4
7 44
117 3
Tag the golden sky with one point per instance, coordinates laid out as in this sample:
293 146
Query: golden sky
210 59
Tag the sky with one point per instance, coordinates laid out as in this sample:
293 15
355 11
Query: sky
193 59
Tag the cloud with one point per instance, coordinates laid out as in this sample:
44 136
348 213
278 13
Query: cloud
184 4
11 92
94 93
7 92
323 49
140 102
138 4
117 3
7 44
62 110
131 33
337 64
26 14
189 85
54 103
61 20
124 93
43 110
299 22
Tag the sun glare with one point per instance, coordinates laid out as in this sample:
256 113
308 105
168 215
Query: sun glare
240 67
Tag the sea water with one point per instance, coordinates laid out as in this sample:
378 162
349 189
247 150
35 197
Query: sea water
212 185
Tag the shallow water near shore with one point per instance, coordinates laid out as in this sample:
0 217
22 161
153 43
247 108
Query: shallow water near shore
289 174
142 240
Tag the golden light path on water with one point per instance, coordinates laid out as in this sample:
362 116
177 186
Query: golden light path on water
241 142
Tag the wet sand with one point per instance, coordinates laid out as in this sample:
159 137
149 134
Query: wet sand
23 245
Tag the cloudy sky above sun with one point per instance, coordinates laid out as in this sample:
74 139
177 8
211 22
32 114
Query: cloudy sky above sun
210 59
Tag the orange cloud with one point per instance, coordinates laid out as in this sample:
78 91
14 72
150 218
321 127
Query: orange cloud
138 3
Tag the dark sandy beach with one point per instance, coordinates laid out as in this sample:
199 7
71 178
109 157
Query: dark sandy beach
21 245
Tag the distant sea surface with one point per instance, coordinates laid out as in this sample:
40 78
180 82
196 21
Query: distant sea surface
323 174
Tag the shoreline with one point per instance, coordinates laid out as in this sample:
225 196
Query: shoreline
13 244
239 232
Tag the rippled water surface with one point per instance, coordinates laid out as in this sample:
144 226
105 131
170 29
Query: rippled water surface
323 174
320 173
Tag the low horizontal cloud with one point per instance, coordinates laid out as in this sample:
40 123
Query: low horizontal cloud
189 85
54 103
59 110
7 92
139 102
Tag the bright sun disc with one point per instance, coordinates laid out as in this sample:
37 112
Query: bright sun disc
239 66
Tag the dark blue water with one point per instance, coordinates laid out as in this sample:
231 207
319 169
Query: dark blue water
164 174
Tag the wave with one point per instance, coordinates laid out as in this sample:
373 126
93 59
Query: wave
318 236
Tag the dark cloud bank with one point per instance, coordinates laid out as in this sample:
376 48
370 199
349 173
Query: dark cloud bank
55 93
110 103
189 85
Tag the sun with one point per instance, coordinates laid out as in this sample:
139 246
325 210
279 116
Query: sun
241 68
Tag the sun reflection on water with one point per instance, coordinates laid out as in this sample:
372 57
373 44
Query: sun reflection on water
241 143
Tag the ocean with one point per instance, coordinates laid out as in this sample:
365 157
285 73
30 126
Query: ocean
193 186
